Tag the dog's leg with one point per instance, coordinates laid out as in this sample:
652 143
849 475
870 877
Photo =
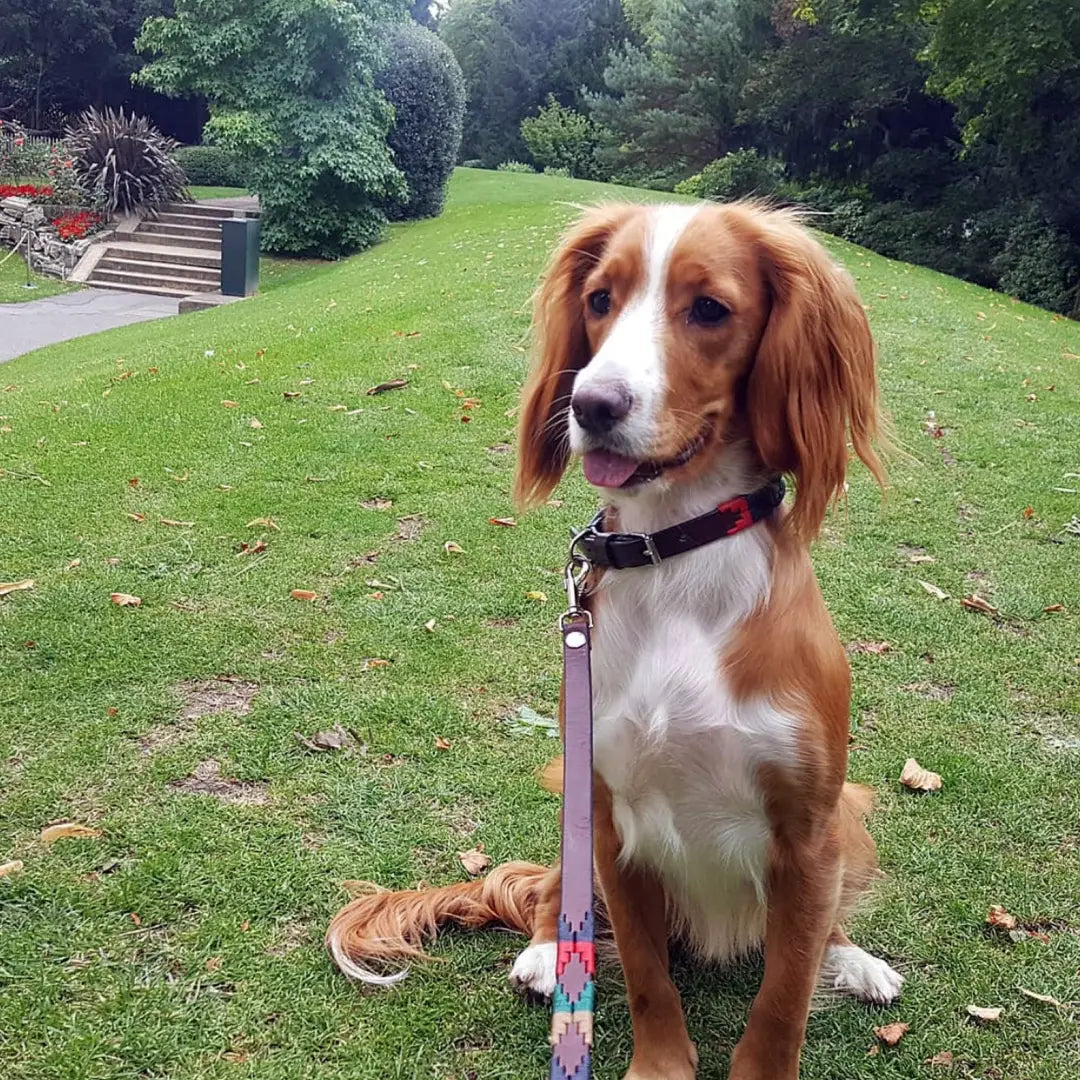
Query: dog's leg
533 972
637 910
803 889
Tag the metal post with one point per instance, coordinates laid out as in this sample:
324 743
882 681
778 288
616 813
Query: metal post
29 283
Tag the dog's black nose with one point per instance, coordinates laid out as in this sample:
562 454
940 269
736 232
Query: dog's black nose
599 409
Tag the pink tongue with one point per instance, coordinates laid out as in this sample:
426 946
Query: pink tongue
605 469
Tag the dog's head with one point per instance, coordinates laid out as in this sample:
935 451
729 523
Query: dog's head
668 334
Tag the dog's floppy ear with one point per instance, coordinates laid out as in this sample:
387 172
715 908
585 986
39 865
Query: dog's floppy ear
560 350
813 378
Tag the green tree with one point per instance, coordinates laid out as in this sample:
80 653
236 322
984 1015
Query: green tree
671 103
46 46
291 91
514 53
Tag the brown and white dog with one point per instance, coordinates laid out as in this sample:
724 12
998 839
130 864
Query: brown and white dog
688 354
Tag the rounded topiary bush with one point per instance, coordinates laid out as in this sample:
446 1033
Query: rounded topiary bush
423 82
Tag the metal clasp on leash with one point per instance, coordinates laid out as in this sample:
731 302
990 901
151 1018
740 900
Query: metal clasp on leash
576 571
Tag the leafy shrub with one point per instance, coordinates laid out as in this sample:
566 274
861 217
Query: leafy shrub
124 161
551 170
834 208
562 138
22 156
472 163
211 166
424 84
734 176
514 166
1039 264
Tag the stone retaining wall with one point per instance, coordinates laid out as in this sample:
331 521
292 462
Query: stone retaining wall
48 253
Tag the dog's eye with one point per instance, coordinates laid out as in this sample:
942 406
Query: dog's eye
708 311
600 302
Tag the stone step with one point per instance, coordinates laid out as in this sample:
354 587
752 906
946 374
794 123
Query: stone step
175 217
181 232
165 240
149 268
164 283
205 210
112 287
164 253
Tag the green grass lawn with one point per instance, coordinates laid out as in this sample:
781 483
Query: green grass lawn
13 281
185 941
202 192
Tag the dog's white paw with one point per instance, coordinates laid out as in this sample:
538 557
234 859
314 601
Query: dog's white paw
847 969
534 970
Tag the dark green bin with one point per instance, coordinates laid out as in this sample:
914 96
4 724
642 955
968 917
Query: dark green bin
239 256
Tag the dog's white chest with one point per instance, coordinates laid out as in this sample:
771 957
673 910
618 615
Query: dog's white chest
682 755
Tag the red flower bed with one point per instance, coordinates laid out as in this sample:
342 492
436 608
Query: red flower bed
75 226
26 191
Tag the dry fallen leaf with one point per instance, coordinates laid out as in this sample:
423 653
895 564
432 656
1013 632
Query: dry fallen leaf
393 384
304 594
429 626
987 1015
1044 999
1000 919
917 778
256 423
336 738
230 404
266 523
13 867
442 743
123 599
377 504
212 963
177 524
135 918
252 549
538 596
507 523
1054 607
375 662
288 394
68 828
934 591
891 1034
944 1059
137 517
16 586
1029 511
976 603
474 861
921 558
873 648
75 564
452 547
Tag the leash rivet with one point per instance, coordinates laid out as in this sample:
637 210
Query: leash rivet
575 639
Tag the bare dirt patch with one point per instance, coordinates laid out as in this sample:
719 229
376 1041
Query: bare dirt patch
163 736
409 528
288 937
501 624
207 780
205 697
930 690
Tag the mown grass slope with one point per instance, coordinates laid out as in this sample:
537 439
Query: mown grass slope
184 942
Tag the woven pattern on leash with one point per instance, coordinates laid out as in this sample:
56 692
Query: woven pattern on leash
575 966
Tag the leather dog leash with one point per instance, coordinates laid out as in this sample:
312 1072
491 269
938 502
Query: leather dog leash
575 965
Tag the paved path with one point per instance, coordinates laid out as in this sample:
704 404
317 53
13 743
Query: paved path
24 327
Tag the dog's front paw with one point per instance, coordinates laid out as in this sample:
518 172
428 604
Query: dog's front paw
533 973
850 970
673 1065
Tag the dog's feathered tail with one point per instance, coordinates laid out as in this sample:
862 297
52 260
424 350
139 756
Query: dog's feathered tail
386 927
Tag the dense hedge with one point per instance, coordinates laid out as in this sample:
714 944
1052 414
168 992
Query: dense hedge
211 166
423 82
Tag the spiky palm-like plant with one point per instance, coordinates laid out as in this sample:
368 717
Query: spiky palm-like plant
125 162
